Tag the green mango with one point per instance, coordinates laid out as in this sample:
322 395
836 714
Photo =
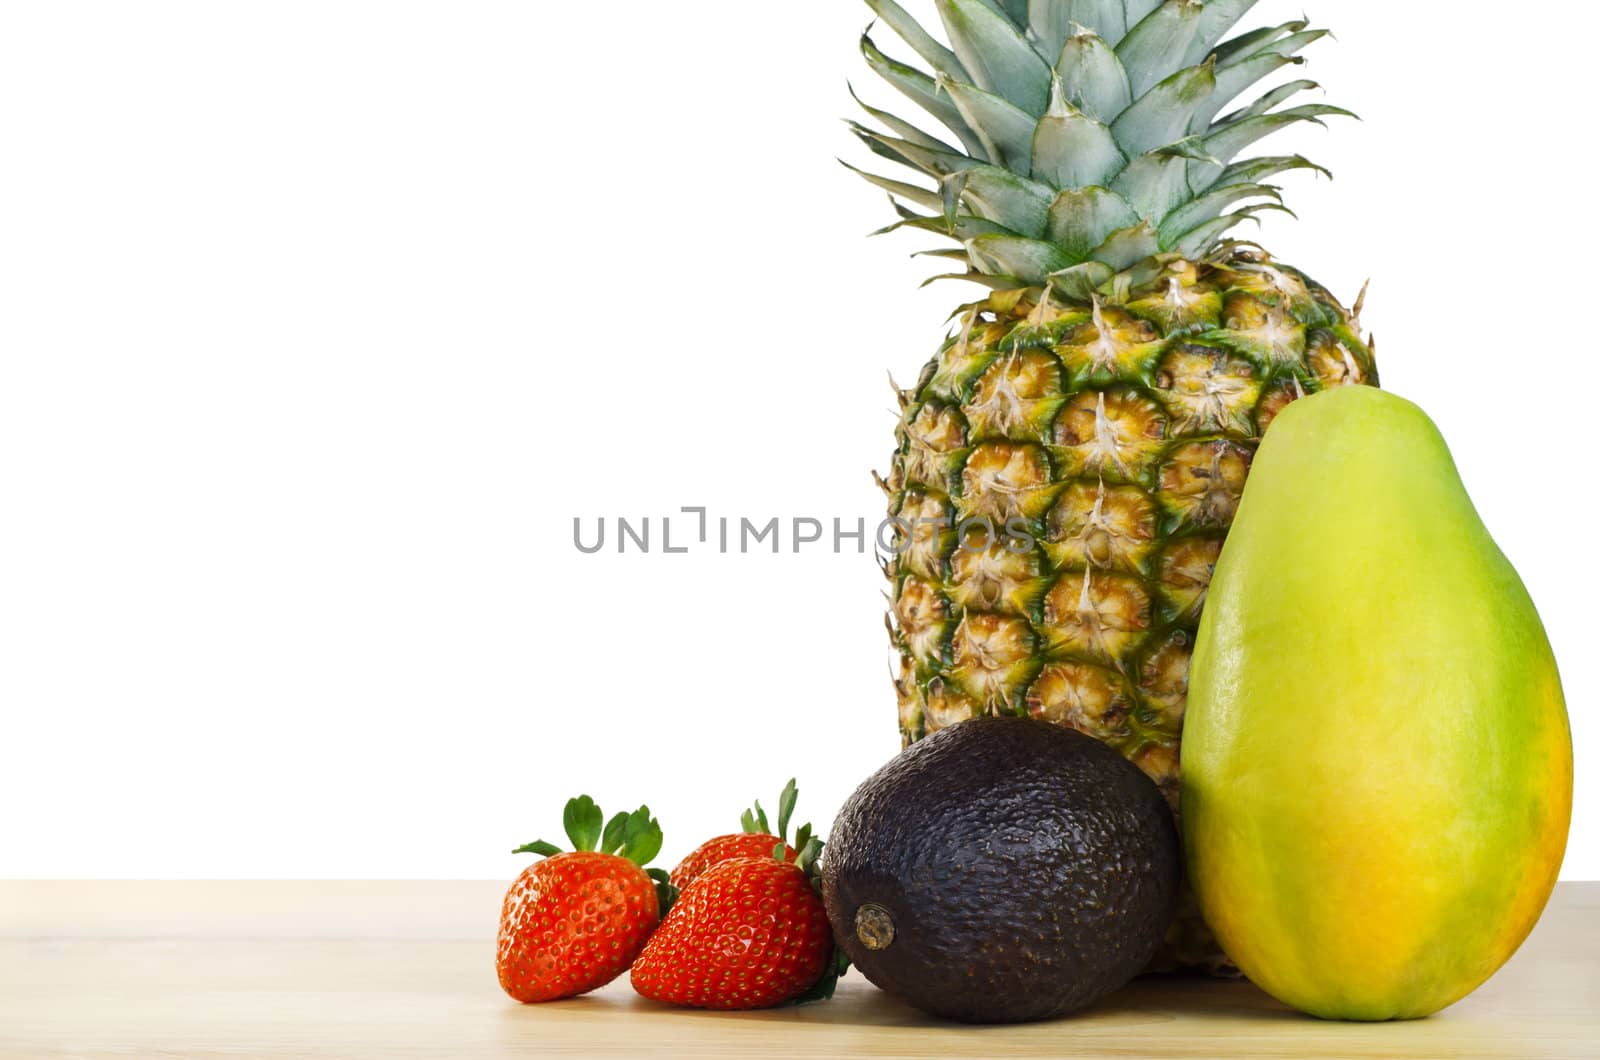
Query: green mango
1377 764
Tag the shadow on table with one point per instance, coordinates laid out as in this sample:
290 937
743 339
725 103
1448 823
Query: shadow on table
1149 1000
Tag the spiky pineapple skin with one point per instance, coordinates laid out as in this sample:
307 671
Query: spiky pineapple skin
1107 443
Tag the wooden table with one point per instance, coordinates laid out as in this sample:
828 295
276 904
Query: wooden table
333 969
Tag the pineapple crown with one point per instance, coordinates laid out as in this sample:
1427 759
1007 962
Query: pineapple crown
1091 140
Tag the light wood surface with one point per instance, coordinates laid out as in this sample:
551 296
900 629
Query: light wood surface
341 969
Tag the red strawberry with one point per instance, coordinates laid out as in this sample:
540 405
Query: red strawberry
756 841
749 933
573 922
714 852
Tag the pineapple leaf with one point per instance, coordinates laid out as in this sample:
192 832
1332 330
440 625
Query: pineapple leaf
1271 99
924 92
1190 147
1006 131
1082 218
904 128
1127 246
1082 281
951 189
1001 196
1092 77
1256 169
1166 112
936 55
1148 50
1234 79
1135 12
934 163
1209 206
1053 21
994 283
962 227
909 192
1204 237
1030 260
1293 44
1216 20
1156 183
1073 150
1228 139
1247 44
1196 243
582 820
1015 10
996 54
1234 76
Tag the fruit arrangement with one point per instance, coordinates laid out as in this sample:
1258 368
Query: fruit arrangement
738 924
1204 656
1105 400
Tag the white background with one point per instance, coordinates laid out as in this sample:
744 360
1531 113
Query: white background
321 322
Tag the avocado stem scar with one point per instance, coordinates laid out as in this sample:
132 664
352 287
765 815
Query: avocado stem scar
874 927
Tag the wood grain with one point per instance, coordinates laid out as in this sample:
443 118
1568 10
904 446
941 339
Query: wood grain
349 969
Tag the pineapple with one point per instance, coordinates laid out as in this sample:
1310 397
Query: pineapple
1069 463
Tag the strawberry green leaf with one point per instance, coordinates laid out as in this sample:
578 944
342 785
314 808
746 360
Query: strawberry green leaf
747 821
666 894
616 831
824 987
582 820
761 818
641 838
809 855
802 838
786 801
538 846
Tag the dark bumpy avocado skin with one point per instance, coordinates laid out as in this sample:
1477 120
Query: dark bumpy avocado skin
1028 869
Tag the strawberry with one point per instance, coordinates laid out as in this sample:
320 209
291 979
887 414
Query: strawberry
748 933
575 921
755 841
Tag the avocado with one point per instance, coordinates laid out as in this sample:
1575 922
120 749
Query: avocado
1002 870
